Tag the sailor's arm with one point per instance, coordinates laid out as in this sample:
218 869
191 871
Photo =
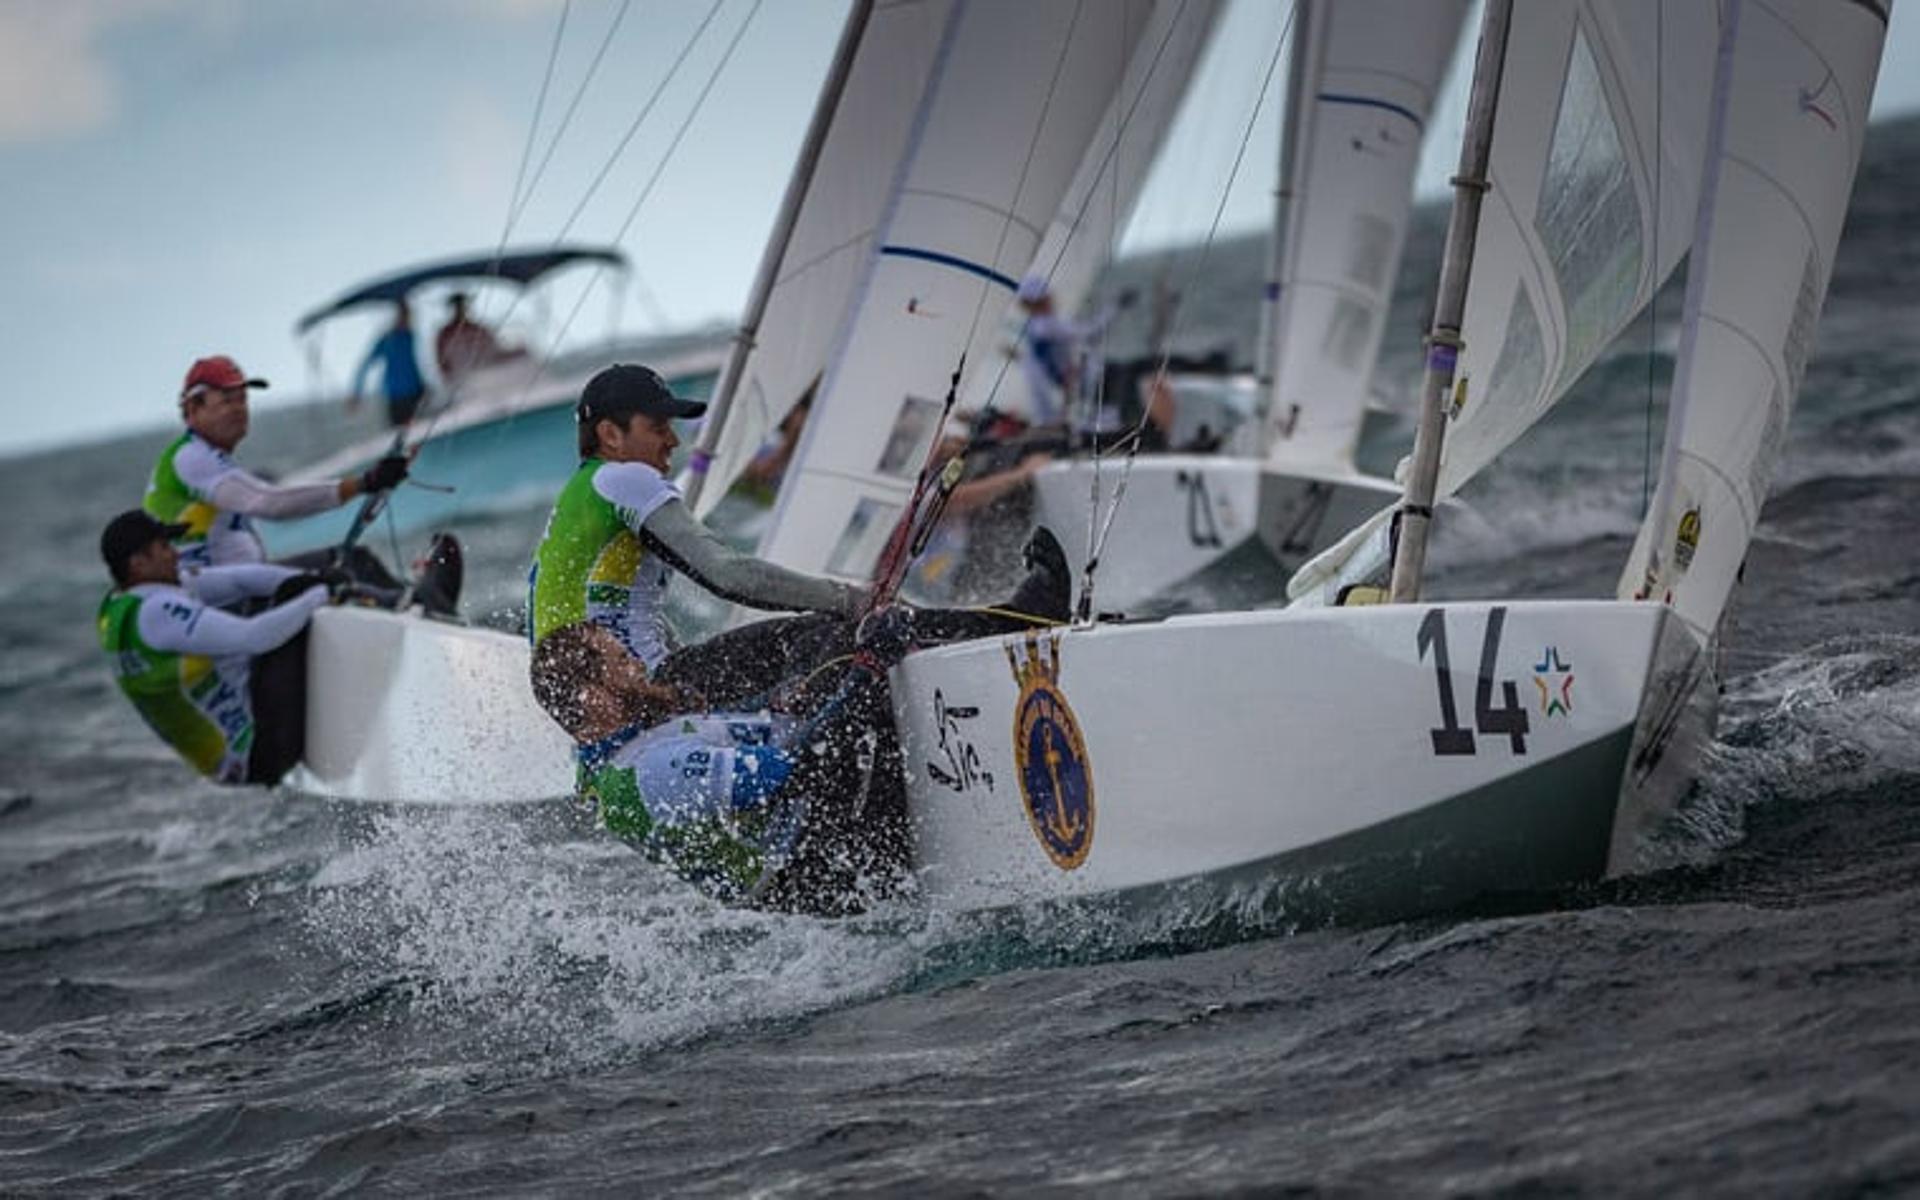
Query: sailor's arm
697 552
242 491
190 628
221 586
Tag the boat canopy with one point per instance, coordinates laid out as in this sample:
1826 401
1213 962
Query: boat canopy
520 267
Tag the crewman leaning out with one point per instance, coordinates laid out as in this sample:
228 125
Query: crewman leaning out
227 692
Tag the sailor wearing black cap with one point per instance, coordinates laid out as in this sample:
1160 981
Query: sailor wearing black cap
227 692
619 531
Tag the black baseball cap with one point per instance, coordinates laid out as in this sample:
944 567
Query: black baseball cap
628 388
130 533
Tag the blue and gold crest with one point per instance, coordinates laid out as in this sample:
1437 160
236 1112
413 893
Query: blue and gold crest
1056 780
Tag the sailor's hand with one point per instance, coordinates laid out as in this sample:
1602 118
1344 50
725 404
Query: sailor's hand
301 584
384 475
886 634
337 580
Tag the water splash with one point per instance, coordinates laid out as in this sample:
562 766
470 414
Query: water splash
557 940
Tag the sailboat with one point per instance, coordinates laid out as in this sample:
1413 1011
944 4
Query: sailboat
944 142
1407 755
1347 758
1362 82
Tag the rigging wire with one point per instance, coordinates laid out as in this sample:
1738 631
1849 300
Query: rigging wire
1033 146
646 110
1097 397
1106 161
646 190
1132 439
1653 300
981 418
599 269
573 106
533 129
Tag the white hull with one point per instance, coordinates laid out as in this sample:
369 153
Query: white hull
401 708
1296 747
1226 531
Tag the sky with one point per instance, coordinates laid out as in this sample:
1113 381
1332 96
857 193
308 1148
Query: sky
187 177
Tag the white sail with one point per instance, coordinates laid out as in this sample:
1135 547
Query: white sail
832 243
1106 187
1595 176
1800 79
1014 96
1367 75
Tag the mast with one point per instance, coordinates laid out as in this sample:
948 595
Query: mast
783 226
1298 106
1443 341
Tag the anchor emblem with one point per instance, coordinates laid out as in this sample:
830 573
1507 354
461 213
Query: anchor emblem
1056 780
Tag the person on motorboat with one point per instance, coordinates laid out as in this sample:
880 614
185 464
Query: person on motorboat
227 692
464 344
197 485
400 379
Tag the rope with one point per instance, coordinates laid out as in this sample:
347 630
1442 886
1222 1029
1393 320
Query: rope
1085 609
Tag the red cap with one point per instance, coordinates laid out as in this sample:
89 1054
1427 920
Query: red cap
219 371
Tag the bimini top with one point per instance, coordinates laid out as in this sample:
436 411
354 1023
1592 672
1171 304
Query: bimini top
521 267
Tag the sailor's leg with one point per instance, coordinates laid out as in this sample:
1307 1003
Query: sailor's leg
739 666
277 685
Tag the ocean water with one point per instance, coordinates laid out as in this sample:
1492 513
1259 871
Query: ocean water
230 992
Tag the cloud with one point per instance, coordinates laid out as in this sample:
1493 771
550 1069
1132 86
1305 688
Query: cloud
478 146
55 81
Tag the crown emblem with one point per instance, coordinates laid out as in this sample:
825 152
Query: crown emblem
1037 666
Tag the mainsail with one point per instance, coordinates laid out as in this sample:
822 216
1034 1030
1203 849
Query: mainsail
1363 82
831 245
1002 118
1106 187
1595 174
1796 78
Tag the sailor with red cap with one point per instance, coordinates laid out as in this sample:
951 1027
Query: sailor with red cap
197 484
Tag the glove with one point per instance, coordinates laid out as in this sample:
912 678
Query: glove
384 475
887 634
